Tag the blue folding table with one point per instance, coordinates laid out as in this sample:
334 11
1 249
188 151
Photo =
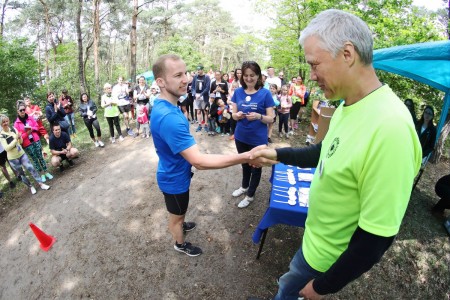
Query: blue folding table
279 212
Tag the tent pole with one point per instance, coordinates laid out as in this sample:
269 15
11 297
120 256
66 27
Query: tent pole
444 114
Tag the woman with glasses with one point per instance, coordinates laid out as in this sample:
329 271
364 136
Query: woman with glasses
12 142
426 131
253 110
28 128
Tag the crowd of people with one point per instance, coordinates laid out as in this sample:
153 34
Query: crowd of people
350 223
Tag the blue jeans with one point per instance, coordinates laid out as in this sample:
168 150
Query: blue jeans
300 273
70 118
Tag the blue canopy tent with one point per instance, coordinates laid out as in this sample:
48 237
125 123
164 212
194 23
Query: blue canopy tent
428 63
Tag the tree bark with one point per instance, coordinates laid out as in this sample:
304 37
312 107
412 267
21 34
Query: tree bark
96 37
436 157
81 74
2 24
133 40
47 33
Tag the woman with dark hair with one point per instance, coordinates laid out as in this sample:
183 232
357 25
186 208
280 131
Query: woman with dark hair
28 128
55 114
426 131
410 105
88 110
253 110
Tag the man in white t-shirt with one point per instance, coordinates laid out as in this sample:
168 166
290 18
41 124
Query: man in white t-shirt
121 91
272 79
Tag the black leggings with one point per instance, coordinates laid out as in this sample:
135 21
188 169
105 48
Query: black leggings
116 122
90 123
250 176
295 109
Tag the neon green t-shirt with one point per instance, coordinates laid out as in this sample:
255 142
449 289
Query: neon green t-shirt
367 165
110 105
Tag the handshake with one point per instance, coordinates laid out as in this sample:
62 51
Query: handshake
262 156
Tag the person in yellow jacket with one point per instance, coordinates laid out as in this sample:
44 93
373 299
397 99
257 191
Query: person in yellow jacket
12 143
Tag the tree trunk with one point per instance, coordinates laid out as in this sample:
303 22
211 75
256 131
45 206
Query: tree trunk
47 33
133 40
436 157
38 37
96 47
81 74
2 21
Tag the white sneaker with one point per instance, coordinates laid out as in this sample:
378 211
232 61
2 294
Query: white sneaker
100 143
121 138
287 135
113 140
45 187
96 144
239 191
33 190
246 202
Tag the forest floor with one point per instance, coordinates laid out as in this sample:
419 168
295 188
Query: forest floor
110 222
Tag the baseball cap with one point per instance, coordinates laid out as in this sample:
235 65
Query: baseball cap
264 73
199 67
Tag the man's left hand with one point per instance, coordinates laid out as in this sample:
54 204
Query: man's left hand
309 293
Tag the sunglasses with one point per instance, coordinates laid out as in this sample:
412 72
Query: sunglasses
21 110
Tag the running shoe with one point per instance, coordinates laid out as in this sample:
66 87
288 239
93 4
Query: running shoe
188 226
100 143
188 249
43 179
121 138
49 176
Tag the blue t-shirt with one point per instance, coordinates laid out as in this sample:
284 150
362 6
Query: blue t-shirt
60 143
252 132
170 132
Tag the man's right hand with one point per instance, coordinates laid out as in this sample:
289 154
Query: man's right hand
263 156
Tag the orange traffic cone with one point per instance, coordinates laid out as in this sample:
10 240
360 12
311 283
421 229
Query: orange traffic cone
46 240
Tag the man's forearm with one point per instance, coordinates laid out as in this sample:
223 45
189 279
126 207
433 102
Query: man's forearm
364 250
307 157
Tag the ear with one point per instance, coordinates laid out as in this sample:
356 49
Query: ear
160 82
349 53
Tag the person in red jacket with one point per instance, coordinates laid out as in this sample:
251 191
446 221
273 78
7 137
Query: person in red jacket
28 128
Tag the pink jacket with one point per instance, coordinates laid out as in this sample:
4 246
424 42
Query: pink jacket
21 129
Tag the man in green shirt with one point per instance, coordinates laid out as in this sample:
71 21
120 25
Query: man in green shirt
365 165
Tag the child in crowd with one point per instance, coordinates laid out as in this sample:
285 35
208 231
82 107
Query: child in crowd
274 91
284 111
212 115
142 118
224 116
234 85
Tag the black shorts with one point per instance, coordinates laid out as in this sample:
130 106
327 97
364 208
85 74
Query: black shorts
177 204
125 108
3 158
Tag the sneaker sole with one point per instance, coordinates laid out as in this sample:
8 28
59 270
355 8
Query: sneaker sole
188 254
189 230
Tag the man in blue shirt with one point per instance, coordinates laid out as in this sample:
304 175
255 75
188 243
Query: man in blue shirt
177 149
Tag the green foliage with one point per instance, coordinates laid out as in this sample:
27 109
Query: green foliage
183 47
19 70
